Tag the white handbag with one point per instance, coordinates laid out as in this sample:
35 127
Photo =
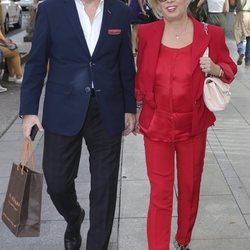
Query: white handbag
216 94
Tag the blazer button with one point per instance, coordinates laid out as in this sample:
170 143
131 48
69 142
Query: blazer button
87 89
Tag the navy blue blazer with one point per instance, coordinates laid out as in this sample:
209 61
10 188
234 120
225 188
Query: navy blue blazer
59 40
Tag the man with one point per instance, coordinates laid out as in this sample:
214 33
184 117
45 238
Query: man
89 94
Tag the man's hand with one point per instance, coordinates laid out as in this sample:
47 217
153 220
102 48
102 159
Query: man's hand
129 123
28 122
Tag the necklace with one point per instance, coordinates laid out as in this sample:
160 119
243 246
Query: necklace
177 36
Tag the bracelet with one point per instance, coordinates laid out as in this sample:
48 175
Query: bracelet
138 107
139 104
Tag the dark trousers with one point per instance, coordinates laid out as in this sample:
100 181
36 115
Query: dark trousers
61 162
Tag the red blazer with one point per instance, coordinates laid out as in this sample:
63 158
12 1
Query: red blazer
150 36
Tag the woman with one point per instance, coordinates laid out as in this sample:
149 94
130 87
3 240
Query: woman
217 10
11 53
172 114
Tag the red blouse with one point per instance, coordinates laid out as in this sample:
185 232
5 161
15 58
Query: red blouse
172 119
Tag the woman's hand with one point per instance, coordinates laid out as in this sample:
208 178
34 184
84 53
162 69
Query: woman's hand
209 67
137 125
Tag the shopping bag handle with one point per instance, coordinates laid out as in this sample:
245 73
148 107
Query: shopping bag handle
27 157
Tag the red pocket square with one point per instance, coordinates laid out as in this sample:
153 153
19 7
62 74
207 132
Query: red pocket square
114 31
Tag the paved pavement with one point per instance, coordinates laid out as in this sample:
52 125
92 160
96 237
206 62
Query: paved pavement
223 221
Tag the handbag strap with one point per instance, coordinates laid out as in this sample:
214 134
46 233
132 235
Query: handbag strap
27 157
206 53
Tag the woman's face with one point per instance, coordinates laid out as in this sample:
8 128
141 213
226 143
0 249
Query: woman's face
173 9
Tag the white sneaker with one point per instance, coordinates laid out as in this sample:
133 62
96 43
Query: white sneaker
11 79
2 89
19 80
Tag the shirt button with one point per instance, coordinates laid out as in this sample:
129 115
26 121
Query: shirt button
87 89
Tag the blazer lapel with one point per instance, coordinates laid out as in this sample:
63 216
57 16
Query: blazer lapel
200 42
72 14
107 14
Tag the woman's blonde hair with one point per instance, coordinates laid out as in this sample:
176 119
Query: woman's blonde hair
155 8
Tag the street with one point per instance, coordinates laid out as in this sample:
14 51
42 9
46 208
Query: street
25 20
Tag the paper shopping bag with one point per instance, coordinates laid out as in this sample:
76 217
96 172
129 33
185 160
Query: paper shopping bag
22 206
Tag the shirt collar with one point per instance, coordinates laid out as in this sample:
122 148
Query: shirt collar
100 6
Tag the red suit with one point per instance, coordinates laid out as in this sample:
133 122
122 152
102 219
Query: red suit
174 121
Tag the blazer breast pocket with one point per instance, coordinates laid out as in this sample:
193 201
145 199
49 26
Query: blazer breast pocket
113 39
114 32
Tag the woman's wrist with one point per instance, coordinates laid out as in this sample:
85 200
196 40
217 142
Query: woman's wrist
138 106
218 71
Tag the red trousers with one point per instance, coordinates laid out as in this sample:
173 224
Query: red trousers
160 159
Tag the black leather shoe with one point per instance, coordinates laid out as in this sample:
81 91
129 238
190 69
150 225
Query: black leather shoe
72 236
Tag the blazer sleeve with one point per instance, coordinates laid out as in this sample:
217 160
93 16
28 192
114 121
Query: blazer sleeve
138 80
127 67
36 67
224 59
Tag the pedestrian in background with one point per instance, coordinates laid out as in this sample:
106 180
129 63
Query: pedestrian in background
11 53
2 65
2 29
217 10
242 29
137 9
172 115
89 94
200 13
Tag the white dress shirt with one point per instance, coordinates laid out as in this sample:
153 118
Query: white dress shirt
91 32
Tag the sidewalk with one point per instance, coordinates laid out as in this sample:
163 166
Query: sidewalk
223 221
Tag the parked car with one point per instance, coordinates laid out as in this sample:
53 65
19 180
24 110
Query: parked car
11 13
25 4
